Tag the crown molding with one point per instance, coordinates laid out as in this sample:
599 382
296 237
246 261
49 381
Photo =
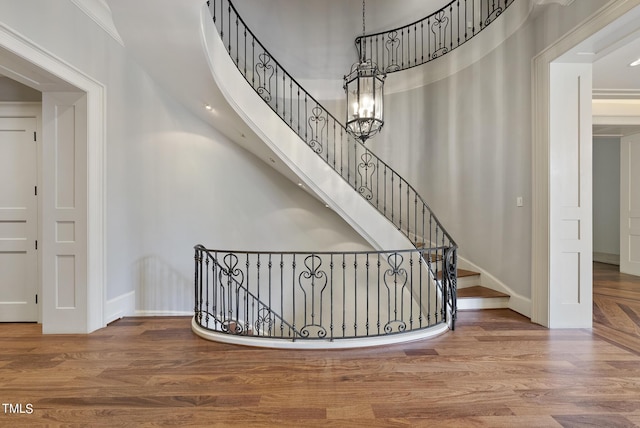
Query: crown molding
616 94
100 13
543 2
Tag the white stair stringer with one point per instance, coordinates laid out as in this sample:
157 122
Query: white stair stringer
314 172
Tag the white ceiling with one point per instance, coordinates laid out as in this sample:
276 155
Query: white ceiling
323 46
22 71
324 31
611 50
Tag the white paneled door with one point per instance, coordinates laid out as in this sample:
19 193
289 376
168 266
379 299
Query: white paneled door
570 191
18 220
630 205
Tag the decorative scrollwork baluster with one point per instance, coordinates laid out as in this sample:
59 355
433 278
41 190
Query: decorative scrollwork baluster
231 279
439 31
265 322
317 123
366 169
264 71
395 280
391 45
495 12
313 282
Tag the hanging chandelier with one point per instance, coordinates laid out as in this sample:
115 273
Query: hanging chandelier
364 87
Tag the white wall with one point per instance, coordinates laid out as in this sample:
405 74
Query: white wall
606 196
172 180
10 90
464 142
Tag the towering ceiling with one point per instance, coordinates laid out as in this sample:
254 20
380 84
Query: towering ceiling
323 46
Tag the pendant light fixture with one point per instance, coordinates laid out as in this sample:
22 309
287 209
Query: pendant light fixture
364 87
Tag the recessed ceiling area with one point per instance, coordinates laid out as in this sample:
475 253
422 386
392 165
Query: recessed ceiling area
615 131
325 31
616 85
22 71
13 91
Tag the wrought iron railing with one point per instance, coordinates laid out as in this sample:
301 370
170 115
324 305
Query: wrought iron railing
365 172
433 261
320 295
430 37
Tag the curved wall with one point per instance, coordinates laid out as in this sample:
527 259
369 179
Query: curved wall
465 142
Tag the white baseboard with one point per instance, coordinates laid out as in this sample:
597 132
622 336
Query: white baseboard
517 302
612 259
520 304
121 306
147 313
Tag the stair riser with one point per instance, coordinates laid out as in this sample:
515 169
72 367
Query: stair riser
468 281
470 303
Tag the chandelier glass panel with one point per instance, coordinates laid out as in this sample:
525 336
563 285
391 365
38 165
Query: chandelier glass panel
364 88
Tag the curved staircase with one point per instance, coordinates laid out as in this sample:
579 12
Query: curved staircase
406 289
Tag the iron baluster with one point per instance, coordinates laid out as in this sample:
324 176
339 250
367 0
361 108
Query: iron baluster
420 290
355 296
378 324
367 291
407 211
281 292
411 291
293 290
344 294
400 204
269 266
392 192
332 303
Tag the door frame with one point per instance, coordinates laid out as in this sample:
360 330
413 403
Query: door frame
626 265
29 109
541 241
91 312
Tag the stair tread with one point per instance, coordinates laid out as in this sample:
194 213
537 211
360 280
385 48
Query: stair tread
479 291
434 257
462 273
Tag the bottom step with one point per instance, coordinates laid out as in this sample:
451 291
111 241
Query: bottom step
478 297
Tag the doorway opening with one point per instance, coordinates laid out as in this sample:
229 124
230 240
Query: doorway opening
71 230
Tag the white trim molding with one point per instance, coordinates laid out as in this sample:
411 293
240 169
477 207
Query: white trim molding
541 238
95 91
616 111
361 342
543 2
120 307
100 13
616 94
517 302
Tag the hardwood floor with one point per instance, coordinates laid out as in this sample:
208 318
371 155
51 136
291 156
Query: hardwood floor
496 369
616 306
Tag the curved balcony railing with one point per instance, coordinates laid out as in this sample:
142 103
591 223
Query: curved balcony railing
431 37
321 295
435 256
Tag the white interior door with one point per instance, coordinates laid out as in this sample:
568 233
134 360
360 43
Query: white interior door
18 220
570 191
630 205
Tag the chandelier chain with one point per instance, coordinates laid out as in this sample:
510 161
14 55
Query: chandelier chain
363 31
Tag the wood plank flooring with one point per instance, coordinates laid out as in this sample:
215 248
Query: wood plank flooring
495 370
616 306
